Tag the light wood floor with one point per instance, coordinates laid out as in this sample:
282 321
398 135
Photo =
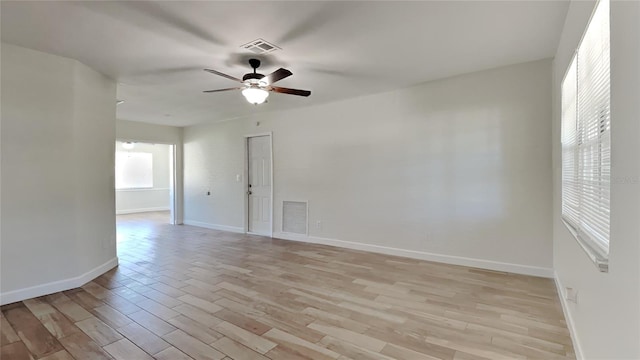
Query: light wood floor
184 292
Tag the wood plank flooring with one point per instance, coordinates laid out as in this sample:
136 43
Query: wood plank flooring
183 292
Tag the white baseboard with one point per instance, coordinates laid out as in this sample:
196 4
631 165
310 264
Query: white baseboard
135 211
447 259
55 286
577 347
234 229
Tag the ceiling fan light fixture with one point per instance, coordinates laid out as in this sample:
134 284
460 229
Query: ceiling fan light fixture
255 95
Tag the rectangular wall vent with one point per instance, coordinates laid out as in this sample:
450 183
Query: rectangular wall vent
294 217
260 46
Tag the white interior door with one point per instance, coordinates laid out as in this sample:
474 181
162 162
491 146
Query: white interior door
259 184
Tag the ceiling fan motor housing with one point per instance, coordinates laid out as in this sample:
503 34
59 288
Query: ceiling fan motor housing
250 76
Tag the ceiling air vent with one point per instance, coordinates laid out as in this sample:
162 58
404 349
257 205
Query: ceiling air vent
260 46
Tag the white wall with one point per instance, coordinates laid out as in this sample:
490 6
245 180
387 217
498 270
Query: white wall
457 170
605 321
153 199
151 133
158 134
58 133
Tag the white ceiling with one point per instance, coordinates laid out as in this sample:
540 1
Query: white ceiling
157 50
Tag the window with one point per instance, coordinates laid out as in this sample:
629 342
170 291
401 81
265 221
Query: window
134 170
586 139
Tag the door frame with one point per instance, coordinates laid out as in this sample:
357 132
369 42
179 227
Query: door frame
174 218
245 182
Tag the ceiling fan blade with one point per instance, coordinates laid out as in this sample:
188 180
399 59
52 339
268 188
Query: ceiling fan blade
277 76
218 90
223 75
290 91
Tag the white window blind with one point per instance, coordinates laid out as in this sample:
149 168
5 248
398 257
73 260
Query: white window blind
586 136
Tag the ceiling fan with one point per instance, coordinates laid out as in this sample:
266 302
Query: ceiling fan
256 87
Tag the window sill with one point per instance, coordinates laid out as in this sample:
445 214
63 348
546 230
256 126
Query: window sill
600 260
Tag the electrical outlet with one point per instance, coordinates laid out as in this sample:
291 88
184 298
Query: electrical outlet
319 225
571 294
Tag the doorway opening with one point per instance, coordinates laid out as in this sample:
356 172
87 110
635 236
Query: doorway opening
145 182
259 185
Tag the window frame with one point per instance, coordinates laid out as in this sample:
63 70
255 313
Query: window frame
593 248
